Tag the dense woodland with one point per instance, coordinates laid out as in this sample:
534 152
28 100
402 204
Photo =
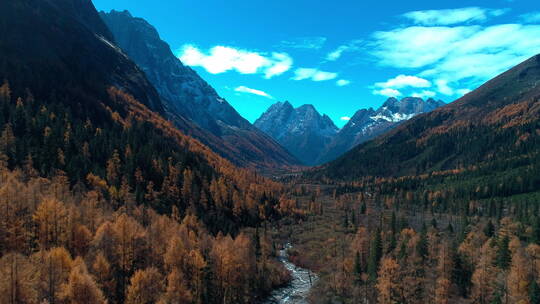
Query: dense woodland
468 235
443 213
102 200
61 245
126 209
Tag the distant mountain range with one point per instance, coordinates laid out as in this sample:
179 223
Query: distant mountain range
282 136
495 128
190 102
302 131
314 139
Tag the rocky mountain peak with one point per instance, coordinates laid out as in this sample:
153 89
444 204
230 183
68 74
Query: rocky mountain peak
303 130
189 99
367 124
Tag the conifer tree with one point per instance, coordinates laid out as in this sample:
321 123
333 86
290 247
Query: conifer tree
504 255
375 255
534 293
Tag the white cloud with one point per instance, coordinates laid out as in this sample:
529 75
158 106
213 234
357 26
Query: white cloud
402 81
282 63
221 59
424 94
345 118
417 46
388 92
243 89
462 56
313 74
463 91
533 17
314 43
343 82
444 88
336 54
452 16
488 53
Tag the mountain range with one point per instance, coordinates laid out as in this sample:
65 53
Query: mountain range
302 131
190 102
289 136
75 106
497 126
117 181
92 170
314 139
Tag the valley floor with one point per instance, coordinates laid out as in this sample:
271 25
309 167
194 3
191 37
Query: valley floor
364 252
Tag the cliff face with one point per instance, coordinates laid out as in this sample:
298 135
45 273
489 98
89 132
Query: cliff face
302 131
191 102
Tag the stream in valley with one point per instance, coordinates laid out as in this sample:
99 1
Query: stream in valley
297 290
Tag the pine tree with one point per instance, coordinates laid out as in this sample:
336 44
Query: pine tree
489 230
483 278
113 169
535 237
518 278
461 275
393 223
176 291
422 246
17 280
345 220
504 256
257 243
393 243
534 293
375 255
357 267
387 282
54 271
51 219
145 287
104 275
81 288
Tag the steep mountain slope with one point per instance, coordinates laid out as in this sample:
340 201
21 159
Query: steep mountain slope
47 46
99 190
190 102
74 105
303 131
367 124
496 125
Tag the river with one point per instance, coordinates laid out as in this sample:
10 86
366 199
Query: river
297 290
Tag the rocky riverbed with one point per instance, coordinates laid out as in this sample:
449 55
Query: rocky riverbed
297 290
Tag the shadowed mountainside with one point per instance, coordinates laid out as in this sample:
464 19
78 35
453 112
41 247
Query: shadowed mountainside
190 102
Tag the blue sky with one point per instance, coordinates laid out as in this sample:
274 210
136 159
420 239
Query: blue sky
345 55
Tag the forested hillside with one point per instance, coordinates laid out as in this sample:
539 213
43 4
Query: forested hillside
493 124
103 200
72 244
444 209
